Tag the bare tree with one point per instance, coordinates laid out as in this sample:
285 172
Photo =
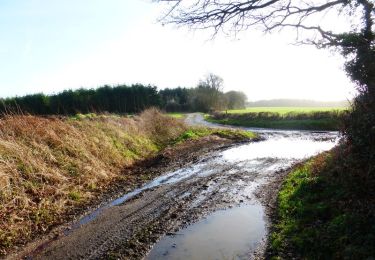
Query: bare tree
210 89
212 81
314 20
267 14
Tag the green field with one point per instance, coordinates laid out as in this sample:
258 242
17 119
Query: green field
284 110
296 124
176 115
297 118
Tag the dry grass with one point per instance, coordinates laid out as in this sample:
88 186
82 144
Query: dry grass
48 166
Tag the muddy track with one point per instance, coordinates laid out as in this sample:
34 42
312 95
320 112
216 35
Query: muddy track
121 226
130 229
194 181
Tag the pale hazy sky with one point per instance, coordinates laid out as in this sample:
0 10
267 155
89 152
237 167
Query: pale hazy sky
51 45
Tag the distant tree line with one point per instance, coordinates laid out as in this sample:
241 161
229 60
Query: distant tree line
119 99
122 99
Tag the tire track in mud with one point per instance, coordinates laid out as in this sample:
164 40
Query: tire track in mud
203 185
129 230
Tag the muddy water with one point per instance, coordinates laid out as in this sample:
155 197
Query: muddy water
226 236
236 173
224 183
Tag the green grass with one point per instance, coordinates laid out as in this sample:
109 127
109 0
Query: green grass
282 118
74 195
284 110
308 124
177 115
198 132
321 215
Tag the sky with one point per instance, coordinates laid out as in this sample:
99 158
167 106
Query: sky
52 45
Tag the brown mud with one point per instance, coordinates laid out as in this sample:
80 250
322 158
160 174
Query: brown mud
136 225
196 179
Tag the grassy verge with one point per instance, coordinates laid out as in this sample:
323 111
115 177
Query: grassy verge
49 167
325 211
322 121
198 132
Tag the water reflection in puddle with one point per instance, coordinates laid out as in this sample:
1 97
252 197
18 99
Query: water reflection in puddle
234 234
281 148
226 234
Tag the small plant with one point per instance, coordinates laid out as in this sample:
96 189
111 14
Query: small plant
74 195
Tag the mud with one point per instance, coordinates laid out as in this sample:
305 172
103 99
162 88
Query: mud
136 176
201 186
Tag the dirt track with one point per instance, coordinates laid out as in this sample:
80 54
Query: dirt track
196 179
128 230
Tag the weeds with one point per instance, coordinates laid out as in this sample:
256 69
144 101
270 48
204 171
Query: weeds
74 195
48 165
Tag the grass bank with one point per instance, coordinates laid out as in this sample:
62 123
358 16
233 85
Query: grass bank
325 211
52 166
313 120
198 132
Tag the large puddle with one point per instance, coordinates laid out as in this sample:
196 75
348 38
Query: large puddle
235 172
228 234
235 233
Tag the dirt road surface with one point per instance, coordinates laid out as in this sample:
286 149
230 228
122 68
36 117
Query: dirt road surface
203 205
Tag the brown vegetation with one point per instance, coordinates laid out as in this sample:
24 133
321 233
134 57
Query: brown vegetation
48 166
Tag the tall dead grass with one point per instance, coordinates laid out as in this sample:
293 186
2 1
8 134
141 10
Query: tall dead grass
48 166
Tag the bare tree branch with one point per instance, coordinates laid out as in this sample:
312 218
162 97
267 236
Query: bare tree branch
238 15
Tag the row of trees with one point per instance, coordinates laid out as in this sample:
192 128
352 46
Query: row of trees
122 99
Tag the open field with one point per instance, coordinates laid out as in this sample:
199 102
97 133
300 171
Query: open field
313 125
284 110
302 118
